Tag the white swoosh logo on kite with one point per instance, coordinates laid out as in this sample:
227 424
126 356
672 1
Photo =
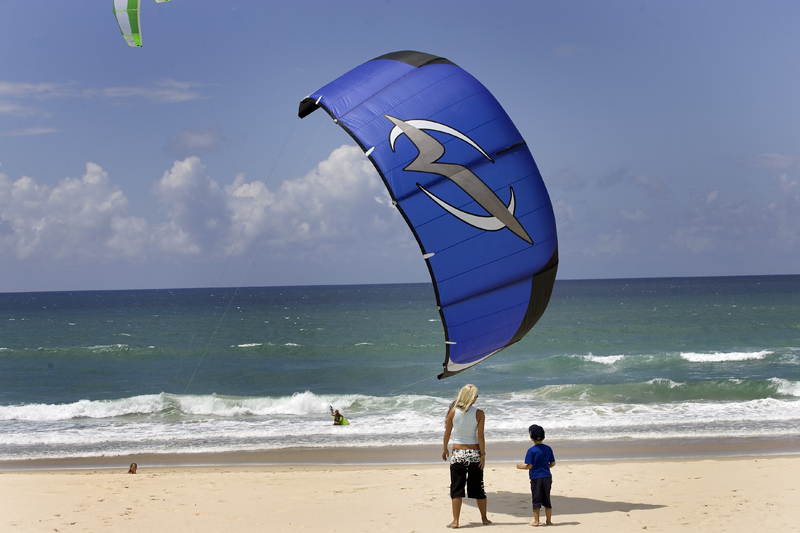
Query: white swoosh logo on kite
434 126
430 151
479 221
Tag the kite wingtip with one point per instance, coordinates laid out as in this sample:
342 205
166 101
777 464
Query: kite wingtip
307 106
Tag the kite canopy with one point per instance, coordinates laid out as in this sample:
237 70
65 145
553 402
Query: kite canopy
466 184
127 14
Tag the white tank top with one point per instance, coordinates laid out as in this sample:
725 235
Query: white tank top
465 426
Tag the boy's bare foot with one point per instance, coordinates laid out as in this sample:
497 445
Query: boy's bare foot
535 523
486 521
453 525
549 523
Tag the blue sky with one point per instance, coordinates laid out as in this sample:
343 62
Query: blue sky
666 132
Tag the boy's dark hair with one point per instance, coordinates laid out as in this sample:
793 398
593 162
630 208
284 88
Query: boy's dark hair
537 432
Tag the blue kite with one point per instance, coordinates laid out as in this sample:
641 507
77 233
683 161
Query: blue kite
467 185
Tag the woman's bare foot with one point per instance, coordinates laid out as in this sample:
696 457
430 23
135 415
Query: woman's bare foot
486 521
453 525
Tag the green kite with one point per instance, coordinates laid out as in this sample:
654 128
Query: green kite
127 13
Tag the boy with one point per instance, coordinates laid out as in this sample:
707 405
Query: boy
539 460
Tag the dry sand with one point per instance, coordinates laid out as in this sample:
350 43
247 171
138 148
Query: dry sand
727 494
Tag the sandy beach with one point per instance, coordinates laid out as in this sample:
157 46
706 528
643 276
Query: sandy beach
694 494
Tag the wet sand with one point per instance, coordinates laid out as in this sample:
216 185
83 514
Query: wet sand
431 454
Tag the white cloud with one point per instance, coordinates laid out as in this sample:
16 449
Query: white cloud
652 185
130 238
191 141
199 216
24 99
606 244
720 227
72 219
775 160
17 110
565 217
634 216
613 178
35 130
340 202
786 184
695 239
38 90
566 179
164 91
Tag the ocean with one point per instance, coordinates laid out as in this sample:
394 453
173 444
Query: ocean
107 373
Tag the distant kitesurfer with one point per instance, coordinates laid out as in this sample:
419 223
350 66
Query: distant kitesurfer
338 419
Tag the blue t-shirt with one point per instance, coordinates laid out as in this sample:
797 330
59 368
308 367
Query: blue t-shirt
540 456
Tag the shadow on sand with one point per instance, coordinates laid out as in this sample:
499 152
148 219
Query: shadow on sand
518 505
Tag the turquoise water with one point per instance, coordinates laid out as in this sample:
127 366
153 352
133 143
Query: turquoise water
118 372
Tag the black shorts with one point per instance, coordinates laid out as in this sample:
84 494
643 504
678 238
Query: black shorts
469 474
540 492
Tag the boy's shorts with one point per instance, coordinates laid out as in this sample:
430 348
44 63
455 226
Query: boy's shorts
469 474
540 492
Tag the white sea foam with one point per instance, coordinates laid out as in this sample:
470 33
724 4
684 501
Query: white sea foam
663 381
604 359
720 357
107 347
152 403
163 422
251 345
786 387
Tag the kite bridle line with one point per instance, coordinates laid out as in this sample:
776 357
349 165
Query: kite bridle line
235 173
412 384
232 160
258 248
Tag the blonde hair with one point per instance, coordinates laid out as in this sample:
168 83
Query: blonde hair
466 397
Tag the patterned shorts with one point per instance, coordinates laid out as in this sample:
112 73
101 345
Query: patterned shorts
465 456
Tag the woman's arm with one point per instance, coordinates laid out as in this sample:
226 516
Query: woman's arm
448 428
481 441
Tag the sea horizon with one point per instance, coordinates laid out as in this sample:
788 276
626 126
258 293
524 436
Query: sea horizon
309 285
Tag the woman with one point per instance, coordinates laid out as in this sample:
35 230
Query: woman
465 423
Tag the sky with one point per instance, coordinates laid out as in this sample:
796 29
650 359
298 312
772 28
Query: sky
667 134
